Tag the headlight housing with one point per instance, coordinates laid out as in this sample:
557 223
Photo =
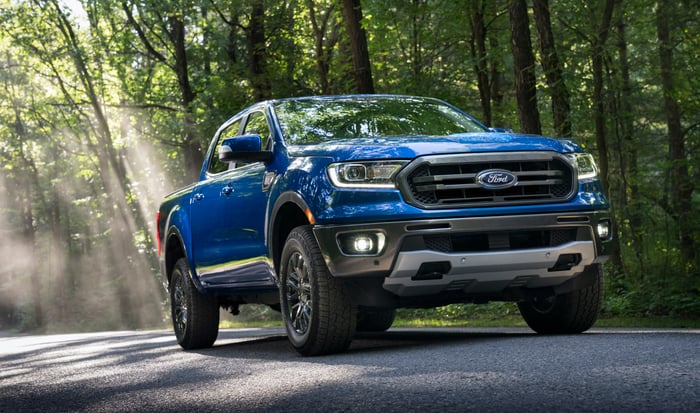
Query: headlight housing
374 174
585 165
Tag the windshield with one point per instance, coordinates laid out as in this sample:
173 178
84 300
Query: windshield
315 120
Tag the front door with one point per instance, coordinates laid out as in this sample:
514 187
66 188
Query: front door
228 223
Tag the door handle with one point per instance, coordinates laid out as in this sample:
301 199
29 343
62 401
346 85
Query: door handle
227 190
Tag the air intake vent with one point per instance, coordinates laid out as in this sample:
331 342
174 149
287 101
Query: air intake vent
490 241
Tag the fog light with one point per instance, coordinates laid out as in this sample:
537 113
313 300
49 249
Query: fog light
361 243
603 229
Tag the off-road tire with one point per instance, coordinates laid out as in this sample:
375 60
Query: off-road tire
569 313
371 319
317 311
195 316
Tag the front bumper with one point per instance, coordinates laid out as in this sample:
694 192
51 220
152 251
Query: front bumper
515 252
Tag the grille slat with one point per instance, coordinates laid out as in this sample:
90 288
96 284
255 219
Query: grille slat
451 181
442 187
538 173
542 182
441 178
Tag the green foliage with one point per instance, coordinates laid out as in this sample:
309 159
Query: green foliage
100 117
461 315
664 289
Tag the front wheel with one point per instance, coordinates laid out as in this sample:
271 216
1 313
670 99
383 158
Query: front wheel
316 308
195 316
569 313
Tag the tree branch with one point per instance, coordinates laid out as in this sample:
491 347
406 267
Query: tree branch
142 34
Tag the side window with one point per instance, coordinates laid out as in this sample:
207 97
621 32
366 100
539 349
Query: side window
257 125
215 165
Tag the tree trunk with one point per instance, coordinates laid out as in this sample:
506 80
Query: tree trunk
257 55
352 13
681 185
207 60
61 278
29 237
323 42
552 69
26 184
231 39
498 83
630 197
524 65
416 49
191 148
478 42
598 47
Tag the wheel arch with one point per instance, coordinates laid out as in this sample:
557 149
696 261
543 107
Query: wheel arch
177 244
288 213
174 250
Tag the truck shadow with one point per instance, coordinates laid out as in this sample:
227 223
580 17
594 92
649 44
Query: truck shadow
420 337
273 344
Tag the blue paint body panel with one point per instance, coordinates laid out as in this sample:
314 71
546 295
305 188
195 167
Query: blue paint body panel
223 224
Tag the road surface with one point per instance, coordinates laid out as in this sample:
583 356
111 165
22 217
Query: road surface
402 370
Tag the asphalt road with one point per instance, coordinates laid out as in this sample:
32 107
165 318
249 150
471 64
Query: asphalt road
427 370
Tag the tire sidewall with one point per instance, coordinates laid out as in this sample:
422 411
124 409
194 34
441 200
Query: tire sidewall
293 245
202 314
180 278
371 319
568 313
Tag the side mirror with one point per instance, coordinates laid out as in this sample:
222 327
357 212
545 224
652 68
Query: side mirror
246 148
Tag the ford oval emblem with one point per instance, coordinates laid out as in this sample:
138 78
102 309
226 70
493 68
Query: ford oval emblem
496 179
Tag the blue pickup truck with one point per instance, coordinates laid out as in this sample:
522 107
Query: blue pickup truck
338 210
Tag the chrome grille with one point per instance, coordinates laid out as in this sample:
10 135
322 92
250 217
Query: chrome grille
450 181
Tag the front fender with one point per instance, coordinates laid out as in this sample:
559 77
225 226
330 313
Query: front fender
289 210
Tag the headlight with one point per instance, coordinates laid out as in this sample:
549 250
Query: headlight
365 174
585 165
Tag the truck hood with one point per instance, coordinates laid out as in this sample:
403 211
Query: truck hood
409 147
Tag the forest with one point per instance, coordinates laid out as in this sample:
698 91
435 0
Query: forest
108 105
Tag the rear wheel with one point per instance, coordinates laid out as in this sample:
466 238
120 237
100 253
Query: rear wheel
569 313
316 308
195 316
